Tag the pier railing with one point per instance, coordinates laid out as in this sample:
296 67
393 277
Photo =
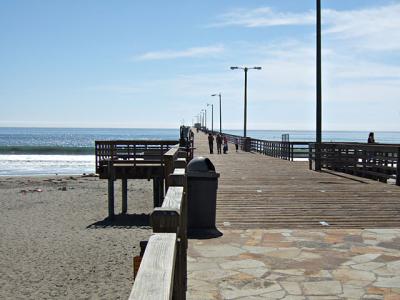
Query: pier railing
374 161
163 270
284 150
135 152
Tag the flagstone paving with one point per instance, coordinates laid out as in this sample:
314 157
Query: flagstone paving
296 264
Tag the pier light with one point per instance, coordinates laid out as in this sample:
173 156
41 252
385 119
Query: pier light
212 117
220 113
245 69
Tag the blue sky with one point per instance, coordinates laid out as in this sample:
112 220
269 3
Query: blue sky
156 63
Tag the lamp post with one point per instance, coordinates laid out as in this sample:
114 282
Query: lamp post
319 92
212 117
245 69
205 118
220 113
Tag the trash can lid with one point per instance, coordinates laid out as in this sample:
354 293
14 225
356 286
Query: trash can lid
200 164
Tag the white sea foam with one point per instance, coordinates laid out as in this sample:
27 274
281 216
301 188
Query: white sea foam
46 164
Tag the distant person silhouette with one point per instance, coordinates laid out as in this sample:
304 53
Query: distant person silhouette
225 145
237 144
219 143
371 138
211 143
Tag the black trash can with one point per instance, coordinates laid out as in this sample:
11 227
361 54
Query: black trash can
202 185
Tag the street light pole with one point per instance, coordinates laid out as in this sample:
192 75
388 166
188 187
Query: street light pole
220 112
212 117
205 120
319 91
245 69
245 102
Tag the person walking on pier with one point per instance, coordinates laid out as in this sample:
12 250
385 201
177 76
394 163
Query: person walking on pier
219 143
225 145
211 143
237 144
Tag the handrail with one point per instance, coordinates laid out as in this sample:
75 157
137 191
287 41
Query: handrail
136 151
156 273
285 150
170 218
374 161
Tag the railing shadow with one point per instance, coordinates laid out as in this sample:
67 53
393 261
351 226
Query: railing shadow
344 176
123 221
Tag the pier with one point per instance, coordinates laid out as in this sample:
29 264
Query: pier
293 233
259 191
287 232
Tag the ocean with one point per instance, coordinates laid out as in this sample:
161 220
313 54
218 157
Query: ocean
49 151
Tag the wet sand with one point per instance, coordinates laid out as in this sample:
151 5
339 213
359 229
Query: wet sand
56 244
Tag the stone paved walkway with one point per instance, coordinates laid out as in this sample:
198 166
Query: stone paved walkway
296 264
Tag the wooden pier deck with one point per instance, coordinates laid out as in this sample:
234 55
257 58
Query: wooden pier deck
257 191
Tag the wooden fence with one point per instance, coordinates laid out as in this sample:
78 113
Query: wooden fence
374 161
134 152
163 270
284 150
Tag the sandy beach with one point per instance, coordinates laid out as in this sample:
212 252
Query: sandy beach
56 244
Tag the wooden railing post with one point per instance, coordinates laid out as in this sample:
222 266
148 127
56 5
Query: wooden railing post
172 218
398 167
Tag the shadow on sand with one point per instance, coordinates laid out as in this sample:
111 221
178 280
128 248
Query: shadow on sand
123 220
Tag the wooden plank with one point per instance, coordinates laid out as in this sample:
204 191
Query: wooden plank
257 191
167 218
180 163
173 198
178 178
155 277
169 160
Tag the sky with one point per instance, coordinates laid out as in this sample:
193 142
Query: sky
155 64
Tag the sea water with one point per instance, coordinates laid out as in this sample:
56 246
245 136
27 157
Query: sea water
48 151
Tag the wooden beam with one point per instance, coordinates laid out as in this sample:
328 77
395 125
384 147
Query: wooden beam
124 195
111 175
177 178
158 191
156 273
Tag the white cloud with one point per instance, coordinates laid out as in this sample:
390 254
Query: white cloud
372 28
375 28
190 52
263 17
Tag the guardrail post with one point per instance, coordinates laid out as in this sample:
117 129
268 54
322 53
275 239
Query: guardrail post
317 157
398 167
247 144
